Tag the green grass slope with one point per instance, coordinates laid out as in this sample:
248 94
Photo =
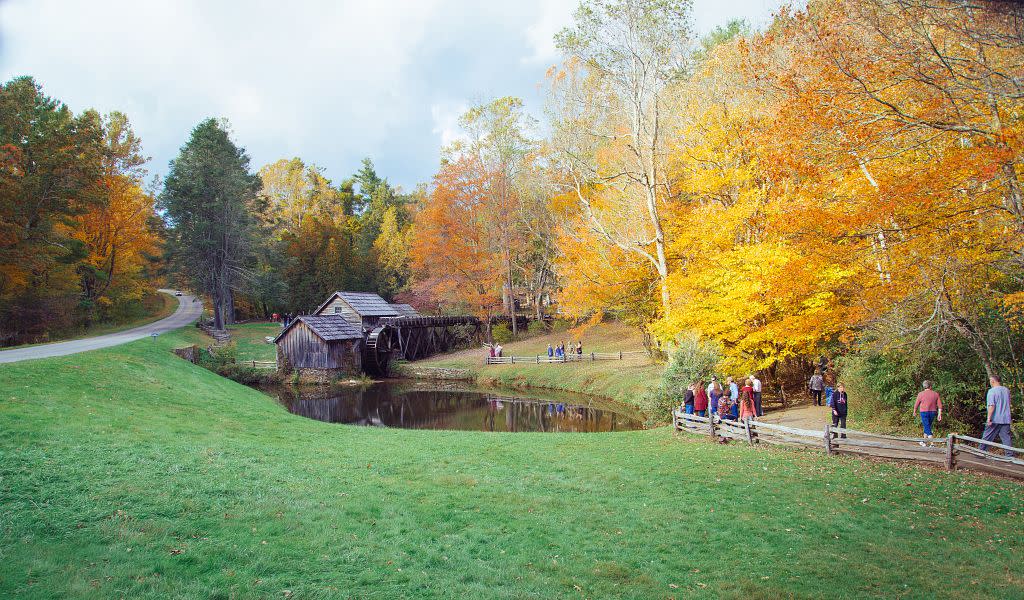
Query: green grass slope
127 472
624 381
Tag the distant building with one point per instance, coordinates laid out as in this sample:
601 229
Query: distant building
320 348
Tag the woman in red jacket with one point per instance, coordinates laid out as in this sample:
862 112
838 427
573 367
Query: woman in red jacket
747 400
700 400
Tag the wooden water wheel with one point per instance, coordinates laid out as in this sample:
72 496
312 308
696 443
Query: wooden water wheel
377 351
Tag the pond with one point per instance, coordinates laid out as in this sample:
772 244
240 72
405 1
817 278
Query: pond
422 405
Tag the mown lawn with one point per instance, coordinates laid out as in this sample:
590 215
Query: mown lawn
624 381
250 339
127 472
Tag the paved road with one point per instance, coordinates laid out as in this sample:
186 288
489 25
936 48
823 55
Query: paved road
188 311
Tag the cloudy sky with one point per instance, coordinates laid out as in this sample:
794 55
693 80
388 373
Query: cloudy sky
330 81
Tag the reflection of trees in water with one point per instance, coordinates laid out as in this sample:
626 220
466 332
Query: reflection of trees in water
391 406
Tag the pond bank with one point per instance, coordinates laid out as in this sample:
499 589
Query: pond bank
627 381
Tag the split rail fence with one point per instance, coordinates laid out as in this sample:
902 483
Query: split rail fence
953 451
568 358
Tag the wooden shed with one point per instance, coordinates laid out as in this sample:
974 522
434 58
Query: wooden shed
320 348
359 308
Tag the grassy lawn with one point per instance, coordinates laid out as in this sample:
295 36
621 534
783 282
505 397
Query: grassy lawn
250 339
623 381
131 473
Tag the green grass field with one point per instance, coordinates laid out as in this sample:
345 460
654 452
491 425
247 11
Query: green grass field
128 472
250 340
624 381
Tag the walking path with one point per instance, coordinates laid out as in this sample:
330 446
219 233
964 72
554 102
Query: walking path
805 416
189 309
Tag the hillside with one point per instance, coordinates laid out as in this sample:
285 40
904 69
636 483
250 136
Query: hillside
129 472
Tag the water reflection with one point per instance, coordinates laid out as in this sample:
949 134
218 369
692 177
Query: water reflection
389 404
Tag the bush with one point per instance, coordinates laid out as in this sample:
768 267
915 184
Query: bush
249 375
690 360
886 385
501 333
218 357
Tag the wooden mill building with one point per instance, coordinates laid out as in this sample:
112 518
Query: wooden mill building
362 308
320 348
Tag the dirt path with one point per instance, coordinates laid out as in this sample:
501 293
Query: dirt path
805 416
188 311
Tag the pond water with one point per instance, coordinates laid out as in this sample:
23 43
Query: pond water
420 405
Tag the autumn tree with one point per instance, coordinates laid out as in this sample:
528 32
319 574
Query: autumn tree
50 169
610 107
451 253
119 234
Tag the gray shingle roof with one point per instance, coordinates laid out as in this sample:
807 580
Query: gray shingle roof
368 304
404 310
329 328
332 327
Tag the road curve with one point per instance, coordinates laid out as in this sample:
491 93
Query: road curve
188 311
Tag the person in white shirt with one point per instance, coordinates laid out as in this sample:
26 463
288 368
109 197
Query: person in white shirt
756 384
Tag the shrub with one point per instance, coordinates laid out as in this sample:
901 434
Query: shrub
248 375
691 359
501 333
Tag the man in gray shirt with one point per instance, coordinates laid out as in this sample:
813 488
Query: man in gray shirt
998 422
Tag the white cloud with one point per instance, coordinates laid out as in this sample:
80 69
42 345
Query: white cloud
445 117
331 81
540 34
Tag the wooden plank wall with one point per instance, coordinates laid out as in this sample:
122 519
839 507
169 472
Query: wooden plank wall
340 307
307 351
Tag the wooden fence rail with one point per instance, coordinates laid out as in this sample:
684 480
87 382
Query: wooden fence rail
261 364
568 358
953 451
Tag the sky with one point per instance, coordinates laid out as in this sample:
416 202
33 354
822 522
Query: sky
329 81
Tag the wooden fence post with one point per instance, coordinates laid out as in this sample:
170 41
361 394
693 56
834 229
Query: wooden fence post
711 426
538 359
620 354
828 439
592 357
513 359
950 441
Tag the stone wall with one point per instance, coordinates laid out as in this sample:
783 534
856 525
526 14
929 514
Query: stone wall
414 371
189 353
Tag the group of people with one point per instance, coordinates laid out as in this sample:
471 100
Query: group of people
728 402
997 412
283 319
560 350
927 408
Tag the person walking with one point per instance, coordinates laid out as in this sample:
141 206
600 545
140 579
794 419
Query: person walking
714 392
700 399
579 348
551 351
839 408
929 404
756 384
747 401
688 400
817 387
997 407
734 397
